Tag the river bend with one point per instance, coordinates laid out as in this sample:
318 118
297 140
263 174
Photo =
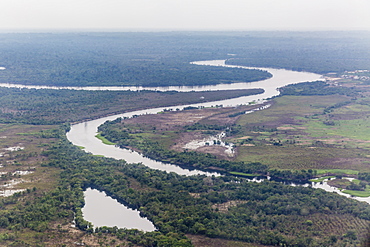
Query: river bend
83 134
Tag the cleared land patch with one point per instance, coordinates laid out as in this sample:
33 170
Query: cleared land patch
21 167
174 129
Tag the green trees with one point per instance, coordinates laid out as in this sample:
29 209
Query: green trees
114 59
364 176
153 59
318 88
268 213
113 131
47 106
58 204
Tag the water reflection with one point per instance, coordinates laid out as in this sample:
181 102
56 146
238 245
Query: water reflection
102 210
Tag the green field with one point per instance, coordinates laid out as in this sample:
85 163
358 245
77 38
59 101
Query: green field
345 186
365 193
352 130
337 171
318 180
244 174
301 136
104 140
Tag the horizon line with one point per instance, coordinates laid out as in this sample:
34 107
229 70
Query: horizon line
111 30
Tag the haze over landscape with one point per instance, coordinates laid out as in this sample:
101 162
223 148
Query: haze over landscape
126 15
201 123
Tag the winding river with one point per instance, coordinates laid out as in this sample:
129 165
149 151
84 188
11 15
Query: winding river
83 134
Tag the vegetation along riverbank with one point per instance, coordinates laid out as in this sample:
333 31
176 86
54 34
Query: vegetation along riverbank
311 130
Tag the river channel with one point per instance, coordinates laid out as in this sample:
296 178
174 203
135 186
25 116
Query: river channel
83 134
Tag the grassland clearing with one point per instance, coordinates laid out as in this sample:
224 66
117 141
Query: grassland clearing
321 179
327 132
244 174
25 163
104 140
337 171
302 136
171 130
365 193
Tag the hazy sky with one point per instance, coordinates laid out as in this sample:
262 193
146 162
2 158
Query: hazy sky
186 14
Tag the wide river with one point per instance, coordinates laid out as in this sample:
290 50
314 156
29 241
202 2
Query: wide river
83 134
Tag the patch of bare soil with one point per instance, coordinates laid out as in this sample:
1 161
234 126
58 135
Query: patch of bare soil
7 110
172 120
187 137
244 137
229 115
176 120
285 128
215 150
224 207
195 195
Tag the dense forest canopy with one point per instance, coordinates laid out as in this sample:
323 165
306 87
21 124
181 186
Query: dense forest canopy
153 59
49 106
130 59
227 209
319 52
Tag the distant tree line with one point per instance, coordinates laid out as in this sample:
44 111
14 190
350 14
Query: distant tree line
317 88
49 106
